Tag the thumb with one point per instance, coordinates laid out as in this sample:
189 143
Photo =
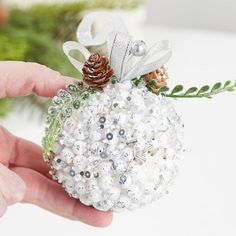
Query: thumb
12 188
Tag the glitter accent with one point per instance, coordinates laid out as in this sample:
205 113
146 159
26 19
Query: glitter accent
109 136
122 132
72 173
102 119
96 175
87 174
122 180
103 155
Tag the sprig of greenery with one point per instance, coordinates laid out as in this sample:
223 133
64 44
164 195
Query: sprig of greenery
205 91
60 110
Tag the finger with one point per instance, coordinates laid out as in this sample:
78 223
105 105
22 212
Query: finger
12 187
20 152
51 196
24 78
3 205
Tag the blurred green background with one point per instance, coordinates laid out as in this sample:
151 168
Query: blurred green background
37 33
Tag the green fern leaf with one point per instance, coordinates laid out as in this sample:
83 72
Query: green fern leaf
227 83
216 87
177 89
163 89
203 89
191 91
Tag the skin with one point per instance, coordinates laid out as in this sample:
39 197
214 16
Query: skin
23 173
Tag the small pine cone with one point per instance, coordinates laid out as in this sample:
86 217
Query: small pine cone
97 71
159 76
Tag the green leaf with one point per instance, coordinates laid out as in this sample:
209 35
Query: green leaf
190 91
163 89
230 89
152 82
216 87
203 89
177 89
227 83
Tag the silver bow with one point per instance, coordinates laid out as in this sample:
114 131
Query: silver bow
119 43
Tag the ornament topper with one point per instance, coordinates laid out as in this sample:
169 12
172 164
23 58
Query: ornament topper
129 58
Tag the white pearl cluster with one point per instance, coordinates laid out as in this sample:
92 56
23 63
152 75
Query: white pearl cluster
120 149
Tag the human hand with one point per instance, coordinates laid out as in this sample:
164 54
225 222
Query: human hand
23 173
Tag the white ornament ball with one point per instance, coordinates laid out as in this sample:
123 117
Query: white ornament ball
120 149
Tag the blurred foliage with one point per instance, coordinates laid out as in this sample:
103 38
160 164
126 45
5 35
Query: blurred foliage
5 105
37 33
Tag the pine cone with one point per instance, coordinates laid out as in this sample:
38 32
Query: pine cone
97 71
160 76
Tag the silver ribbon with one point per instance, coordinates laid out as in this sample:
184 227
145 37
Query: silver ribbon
115 35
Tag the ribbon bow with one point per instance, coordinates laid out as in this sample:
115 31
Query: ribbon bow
125 64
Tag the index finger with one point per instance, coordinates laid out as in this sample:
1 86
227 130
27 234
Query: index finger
24 78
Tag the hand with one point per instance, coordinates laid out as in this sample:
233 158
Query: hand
23 173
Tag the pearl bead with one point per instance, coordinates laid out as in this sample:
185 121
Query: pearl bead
128 155
79 161
84 199
120 166
95 136
95 197
112 194
123 202
93 186
146 199
78 147
104 205
57 148
67 141
80 188
67 155
105 182
80 133
104 168
138 48
69 185
133 192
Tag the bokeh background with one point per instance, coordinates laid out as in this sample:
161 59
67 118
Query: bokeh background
202 202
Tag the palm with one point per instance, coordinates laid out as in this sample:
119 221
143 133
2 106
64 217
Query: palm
25 158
